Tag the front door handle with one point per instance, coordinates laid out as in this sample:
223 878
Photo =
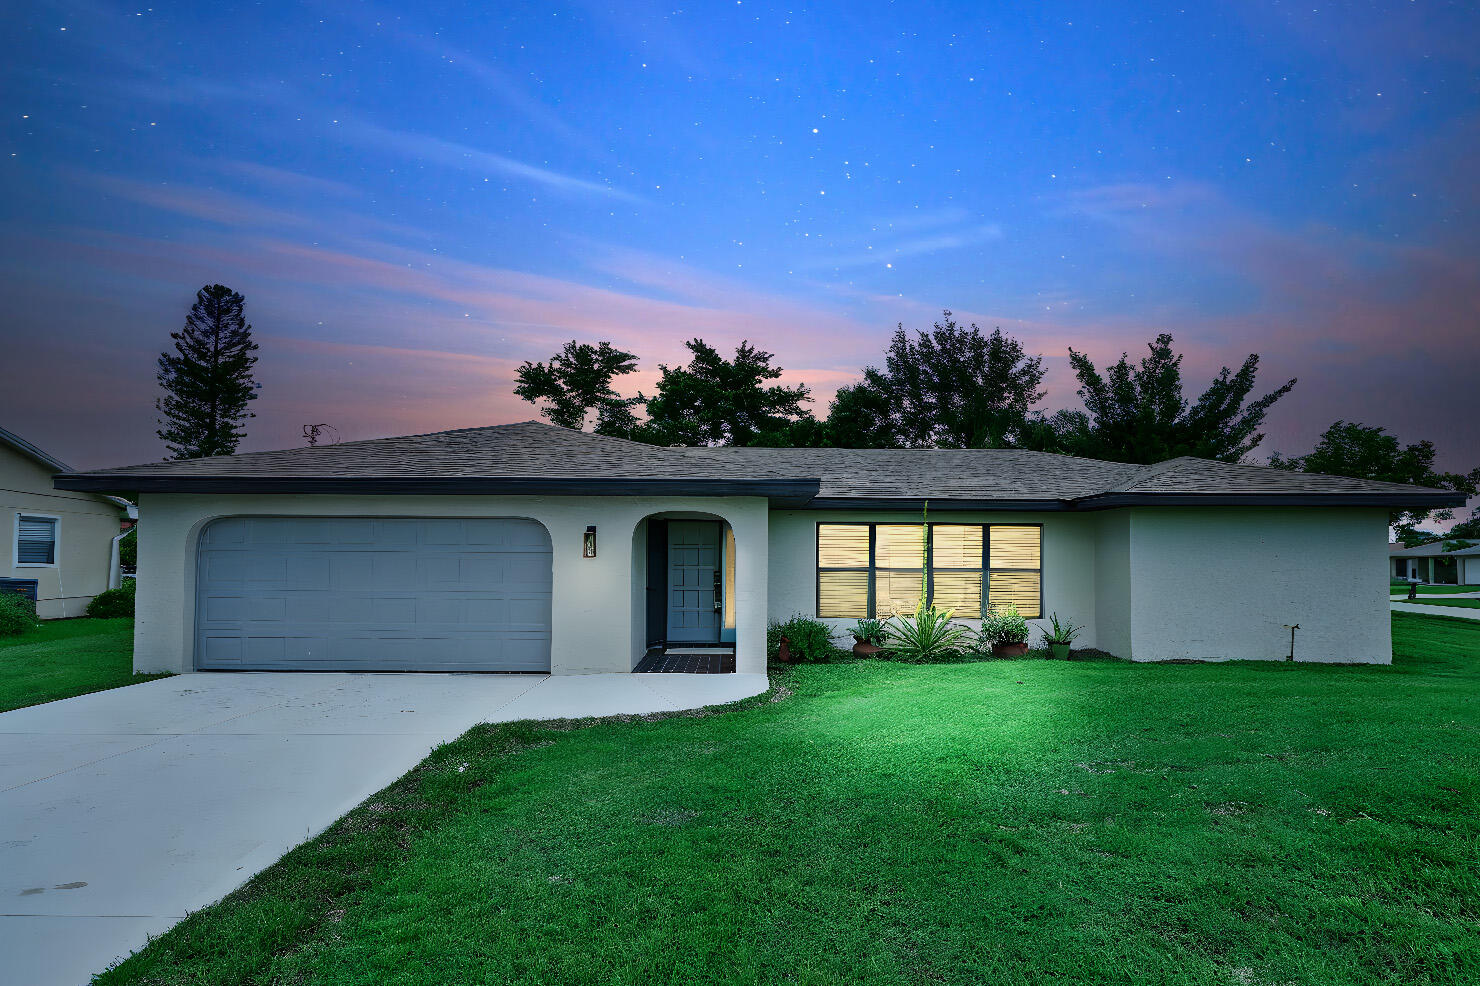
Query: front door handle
718 591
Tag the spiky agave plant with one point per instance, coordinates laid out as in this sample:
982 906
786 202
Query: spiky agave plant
926 635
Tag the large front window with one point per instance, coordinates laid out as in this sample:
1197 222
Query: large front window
876 569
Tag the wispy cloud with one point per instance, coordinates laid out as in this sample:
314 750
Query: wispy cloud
462 157
888 252
281 179
198 203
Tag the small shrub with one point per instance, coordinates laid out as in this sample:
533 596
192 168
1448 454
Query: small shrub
17 614
926 636
811 640
870 631
1005 626
1060 633
114 602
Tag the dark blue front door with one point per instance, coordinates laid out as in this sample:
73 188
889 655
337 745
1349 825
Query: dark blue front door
693 581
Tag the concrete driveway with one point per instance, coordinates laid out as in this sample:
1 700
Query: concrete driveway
123 810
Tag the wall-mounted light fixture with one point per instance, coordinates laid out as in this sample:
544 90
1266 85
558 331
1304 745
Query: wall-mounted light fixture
588 543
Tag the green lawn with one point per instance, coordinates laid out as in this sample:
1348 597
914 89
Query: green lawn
1434 590
999 822
1463 603
63 658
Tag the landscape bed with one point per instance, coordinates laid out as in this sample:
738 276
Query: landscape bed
998 821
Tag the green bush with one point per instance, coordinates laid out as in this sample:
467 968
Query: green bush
1005 626
17 613
811 640
925 636
114 602
870 631
128 549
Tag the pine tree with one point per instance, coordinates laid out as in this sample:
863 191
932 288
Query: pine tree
208 378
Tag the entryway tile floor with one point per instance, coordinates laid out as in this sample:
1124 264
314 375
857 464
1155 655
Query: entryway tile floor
687 660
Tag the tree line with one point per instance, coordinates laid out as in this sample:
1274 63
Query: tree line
949 386
955 386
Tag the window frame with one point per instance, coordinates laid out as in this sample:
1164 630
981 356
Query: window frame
56 540
871 604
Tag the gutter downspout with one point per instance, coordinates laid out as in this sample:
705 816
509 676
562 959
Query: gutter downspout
115 569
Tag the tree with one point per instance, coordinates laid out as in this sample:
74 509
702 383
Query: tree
1362 452
861 415
1138 414
949 387
208 380
715 401
1469 528
577 381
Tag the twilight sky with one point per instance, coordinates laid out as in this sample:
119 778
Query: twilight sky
414 198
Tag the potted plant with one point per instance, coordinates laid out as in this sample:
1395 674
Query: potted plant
1008 632
869 634
1060 636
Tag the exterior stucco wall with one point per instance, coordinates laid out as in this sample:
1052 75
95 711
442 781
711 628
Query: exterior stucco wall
1113 582
87 526
1222 583
1068 561
594 612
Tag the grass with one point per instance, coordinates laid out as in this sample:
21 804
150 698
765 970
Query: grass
1434 590
1462 603
1002 822
63 658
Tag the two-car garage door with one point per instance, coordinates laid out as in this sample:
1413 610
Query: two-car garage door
373 594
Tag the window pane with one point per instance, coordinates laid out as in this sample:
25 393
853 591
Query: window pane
842 594
842 546
899 546
956 546
1016 547
1014 587
36 541
959 591
896 593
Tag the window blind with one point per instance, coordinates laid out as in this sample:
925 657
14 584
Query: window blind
36 541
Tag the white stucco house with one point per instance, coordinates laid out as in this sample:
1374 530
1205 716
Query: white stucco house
528 547
57 547
1431 563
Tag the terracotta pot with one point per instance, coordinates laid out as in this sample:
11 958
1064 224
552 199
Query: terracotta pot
1009 650
865 649
1060 651
783 652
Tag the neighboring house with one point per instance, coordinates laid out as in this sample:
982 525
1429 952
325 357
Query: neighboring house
57 547
1431 563
528 547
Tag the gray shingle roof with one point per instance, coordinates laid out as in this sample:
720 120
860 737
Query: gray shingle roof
532 457
1434 549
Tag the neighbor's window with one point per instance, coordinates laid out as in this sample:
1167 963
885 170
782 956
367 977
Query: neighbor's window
875 569
35 540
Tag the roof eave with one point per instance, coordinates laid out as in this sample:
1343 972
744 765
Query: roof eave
935 503
783 492
33 452
1417 500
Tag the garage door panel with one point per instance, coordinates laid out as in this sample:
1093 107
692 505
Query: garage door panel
386 594
221 651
